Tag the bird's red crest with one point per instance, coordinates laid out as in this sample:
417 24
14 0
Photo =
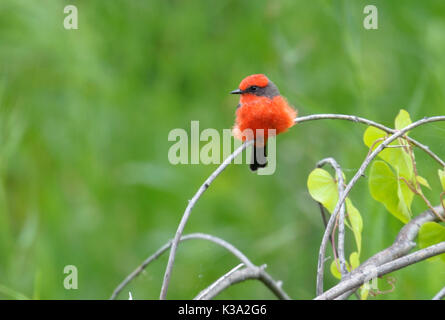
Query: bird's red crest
259 80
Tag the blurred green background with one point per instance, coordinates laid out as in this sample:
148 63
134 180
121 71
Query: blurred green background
85 114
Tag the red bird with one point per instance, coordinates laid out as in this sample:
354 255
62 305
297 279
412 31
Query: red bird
261 107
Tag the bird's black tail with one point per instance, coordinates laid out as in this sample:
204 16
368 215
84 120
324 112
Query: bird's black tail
259 158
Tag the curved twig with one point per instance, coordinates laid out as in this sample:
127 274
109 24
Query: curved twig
330 226
188 210
217 283
425 148
364 275
233 277
166 246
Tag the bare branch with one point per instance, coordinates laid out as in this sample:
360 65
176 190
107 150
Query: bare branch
166 246
330 227
426 149
364 274
440 295
323 214
237 276
217 283
188 210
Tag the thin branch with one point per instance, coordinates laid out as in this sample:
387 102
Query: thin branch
417 188
237 276
166 246
418 191
440 295
217 283
323 214
361 172
365 275
341 227
321 255
188 210
426 149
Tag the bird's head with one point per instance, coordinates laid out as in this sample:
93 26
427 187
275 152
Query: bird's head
257 85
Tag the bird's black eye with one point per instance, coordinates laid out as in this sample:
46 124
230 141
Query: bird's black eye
253 88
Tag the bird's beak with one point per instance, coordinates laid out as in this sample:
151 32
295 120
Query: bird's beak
237 91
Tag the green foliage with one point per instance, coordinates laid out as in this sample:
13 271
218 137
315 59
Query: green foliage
390 181
398 158
356 222
431 233
393 182
423 182
402 120
354 262
335 268
324 189
387 188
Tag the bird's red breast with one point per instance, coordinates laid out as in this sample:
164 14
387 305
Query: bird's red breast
262 108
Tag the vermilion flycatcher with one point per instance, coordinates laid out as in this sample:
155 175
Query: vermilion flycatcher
261 108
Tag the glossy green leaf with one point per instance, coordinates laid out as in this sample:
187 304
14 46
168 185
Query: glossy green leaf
431 233
354 259
405 195
335 270
402 120
323 188
387 189
373 137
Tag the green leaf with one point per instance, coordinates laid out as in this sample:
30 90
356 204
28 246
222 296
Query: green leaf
335 265
423 182
386 188
442 178
323 188
354 258
405 195
334 270
398 158
402 120
371 135
431 233
356 222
